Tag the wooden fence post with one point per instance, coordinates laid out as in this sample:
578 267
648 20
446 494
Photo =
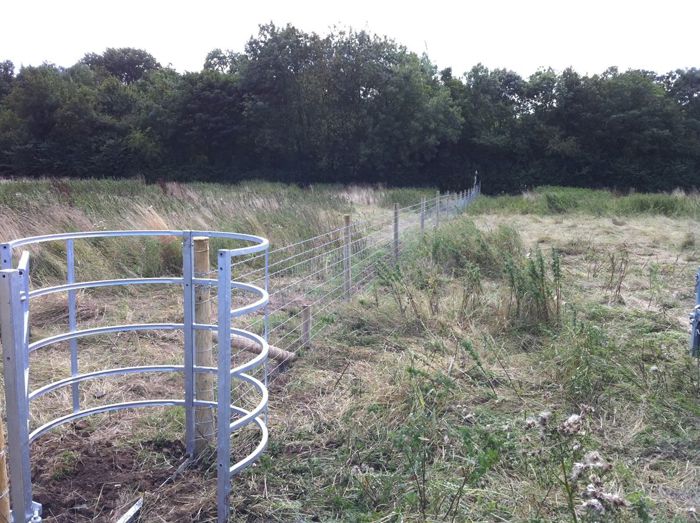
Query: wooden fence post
203 353
437 210
422 215
396 233
347 252
306 326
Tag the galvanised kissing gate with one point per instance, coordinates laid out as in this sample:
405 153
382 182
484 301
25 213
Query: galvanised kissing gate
16 296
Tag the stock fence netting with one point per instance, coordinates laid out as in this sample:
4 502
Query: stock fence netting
309 279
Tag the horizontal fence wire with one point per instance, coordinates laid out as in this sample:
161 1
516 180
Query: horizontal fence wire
323 272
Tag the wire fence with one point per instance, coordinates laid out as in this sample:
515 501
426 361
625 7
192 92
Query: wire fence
308 280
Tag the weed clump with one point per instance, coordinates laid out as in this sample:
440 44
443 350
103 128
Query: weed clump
459 246
535 288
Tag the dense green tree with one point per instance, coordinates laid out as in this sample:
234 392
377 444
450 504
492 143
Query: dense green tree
348 107
126 64
207 119
7 76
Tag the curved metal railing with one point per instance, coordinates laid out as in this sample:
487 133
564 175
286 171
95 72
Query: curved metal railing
15 310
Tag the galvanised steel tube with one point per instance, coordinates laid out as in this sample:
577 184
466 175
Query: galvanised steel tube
223 409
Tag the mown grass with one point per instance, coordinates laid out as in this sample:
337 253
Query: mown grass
562 200
439 398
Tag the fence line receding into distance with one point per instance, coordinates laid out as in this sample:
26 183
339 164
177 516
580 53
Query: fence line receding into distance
309 278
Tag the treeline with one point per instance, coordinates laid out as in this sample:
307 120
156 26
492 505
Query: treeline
348 107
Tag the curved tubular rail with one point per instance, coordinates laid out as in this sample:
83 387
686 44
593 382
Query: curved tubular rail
101 410
122 371
250 458
251 364
113 407
245 420
240 311
258 359
103 283
255 306
58 338
260 243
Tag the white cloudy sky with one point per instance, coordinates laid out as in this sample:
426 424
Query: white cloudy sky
589 35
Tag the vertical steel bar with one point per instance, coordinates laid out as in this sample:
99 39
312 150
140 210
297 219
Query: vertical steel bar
422 214
16 371
189 348
347 269
396 233
72 322
223 398
266 320
266 326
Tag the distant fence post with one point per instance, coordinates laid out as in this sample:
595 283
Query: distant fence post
422 214
347 251
203 345
437 210
306 326
396 233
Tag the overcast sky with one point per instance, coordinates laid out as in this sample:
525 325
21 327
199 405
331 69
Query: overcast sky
589 35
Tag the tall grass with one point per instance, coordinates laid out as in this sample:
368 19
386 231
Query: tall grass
284 214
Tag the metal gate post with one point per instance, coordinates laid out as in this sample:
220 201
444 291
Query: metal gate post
16 370
72 322
223 383
188 330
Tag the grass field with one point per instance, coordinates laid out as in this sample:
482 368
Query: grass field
527 361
